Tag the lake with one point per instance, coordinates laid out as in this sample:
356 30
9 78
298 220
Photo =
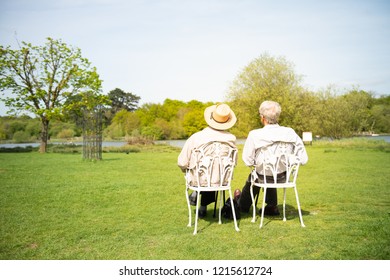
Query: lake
175 143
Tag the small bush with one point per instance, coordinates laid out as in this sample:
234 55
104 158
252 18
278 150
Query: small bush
123 149
65 148
26 149
66 133
21 137
139 140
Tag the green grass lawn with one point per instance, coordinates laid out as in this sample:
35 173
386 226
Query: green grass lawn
132 206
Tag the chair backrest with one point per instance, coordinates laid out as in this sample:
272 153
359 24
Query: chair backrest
278 158
214 164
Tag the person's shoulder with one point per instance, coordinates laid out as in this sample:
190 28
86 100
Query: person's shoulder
255 131
195 136
226 135
200 132
231 135
287 128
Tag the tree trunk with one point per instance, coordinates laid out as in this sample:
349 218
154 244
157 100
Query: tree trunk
44 135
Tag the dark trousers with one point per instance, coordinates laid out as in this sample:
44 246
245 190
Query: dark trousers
207 198
271 198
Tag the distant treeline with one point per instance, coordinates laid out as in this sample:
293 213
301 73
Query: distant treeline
327 113
356 112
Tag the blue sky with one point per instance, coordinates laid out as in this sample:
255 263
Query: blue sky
182 49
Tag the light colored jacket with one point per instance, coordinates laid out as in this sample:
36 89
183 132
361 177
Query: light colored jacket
198 139
265 137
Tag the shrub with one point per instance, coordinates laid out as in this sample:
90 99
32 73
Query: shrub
66 133
21 137
139 140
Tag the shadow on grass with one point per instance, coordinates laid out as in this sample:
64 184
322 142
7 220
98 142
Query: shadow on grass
111 159
210 218
291 214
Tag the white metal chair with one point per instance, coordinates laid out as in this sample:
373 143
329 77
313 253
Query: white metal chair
211 169
280 157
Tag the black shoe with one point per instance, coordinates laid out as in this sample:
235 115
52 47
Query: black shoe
202 214
270 210
192 198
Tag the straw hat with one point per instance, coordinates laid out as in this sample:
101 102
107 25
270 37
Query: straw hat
220 116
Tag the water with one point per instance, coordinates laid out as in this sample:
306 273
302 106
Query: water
174 143
104 144
379 137
180 143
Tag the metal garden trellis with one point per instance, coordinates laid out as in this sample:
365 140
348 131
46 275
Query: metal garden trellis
92 133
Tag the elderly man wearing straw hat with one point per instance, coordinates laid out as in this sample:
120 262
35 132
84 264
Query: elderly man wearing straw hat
219 119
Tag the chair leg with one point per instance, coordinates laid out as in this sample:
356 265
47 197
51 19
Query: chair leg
284 204
262 208
197 212
215 203
253 204
189 209
299 207
257 198
221 201
233 211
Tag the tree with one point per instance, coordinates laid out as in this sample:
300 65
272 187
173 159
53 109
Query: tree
123 100
265 78
359 113
194 121
42 79
381 114
123 124
332 114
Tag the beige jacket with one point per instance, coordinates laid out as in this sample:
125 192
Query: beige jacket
198 139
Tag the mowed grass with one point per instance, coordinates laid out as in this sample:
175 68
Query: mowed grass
132 206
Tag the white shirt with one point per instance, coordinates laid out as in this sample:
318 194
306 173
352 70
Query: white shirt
265 137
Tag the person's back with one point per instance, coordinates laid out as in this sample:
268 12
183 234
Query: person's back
219 118
200 138
264 138
268 135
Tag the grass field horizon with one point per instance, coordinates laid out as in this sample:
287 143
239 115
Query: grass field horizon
56 206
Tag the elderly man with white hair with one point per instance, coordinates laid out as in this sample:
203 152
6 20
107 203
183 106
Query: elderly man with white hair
264 138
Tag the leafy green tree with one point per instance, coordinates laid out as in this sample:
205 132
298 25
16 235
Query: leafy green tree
194 121
170 109
152 132
265 78
3 132
381 114
121 100
332 114
60 129
148 113
176 129
66 133
42 79
21 136
123 123
359 113
307 113
32 128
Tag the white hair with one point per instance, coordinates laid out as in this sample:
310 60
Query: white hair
270 110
